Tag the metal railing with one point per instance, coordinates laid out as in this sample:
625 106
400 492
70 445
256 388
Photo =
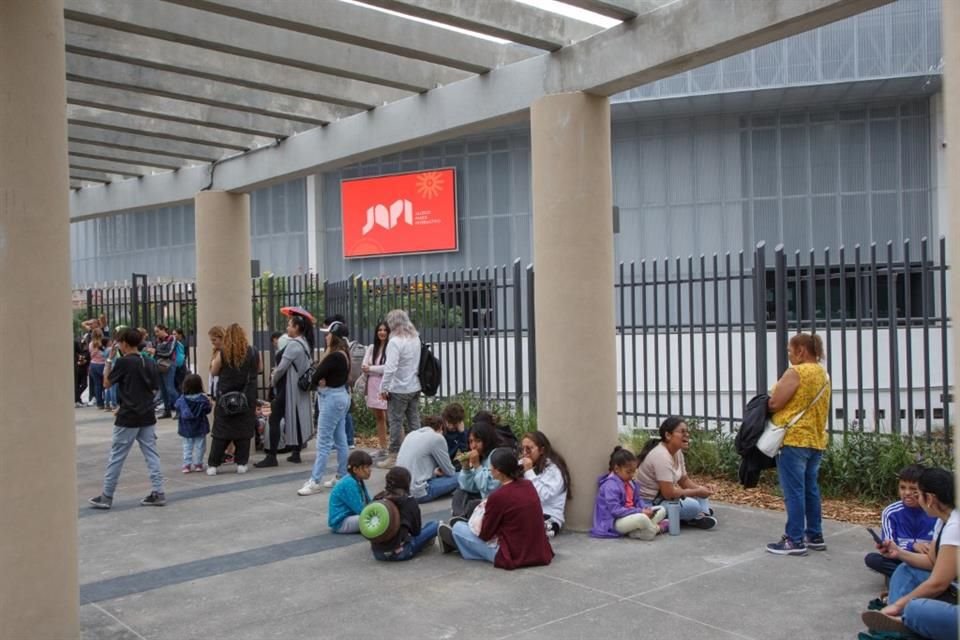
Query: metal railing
696 337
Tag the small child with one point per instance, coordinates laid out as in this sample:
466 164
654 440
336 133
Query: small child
619 509
193 407
349 495
412 537
904 522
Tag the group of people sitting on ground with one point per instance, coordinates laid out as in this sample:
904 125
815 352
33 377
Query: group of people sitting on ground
916 553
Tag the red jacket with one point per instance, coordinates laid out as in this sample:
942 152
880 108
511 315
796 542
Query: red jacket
513 515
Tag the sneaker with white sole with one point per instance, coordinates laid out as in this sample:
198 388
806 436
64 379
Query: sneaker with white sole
242 468
101 502
445 541
332 482
211 471
389 462
309 488
787 547
155 499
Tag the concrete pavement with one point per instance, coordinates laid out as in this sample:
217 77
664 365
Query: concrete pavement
242 556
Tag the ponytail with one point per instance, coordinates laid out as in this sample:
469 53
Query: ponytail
813 344
621 457
667 426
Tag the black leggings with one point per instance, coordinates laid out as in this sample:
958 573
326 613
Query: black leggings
218 446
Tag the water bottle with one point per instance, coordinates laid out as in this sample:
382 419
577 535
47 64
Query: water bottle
673 515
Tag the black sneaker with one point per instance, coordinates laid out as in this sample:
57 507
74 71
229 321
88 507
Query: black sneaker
816 543
154 500
445 538
455 519
101 502
703 522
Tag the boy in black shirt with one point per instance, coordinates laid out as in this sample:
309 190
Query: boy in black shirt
137 379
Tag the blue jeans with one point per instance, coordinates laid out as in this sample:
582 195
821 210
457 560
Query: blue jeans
411 547
168 390
690 508
348 427
470 546
931 619
331 430
798 468
194 449
110 396
439 487
123 439
96 383
904 580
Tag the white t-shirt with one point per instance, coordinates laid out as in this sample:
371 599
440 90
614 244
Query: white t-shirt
659 466
951 533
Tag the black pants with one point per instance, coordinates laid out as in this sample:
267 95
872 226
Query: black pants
79 381
464 502
878 563
278 407
218 446
178 377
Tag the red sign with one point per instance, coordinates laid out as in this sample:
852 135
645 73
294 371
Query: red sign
400 213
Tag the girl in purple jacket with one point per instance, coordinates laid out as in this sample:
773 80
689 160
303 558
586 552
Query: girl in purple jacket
619 510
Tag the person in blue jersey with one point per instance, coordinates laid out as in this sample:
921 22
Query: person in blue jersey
904 522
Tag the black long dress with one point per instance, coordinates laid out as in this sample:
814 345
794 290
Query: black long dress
241 426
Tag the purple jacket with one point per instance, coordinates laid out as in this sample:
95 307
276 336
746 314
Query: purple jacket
609 506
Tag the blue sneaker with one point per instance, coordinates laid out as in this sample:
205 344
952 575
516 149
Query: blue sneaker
787 547
816 543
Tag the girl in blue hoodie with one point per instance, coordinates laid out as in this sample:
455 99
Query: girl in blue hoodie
349 495
619 509
192 407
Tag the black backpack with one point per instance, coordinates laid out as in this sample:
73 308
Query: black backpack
428 371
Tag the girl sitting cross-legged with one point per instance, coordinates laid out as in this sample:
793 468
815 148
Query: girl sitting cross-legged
412 536
619 509
349 495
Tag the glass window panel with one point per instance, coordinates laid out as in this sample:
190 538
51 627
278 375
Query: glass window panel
478 241
709 166
796 224
679 168
478 192
297 206
793 160
853 165
653 184
823 158
915 152
854 220
917 217
824 218
885 215
278 208
766 222
764 152
500 182
883 154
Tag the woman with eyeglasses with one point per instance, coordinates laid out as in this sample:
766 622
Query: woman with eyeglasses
548 472
662 475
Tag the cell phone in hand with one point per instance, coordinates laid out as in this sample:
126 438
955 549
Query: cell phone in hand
876 538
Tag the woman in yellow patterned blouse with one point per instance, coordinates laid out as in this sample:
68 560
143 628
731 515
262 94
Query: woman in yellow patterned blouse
803 390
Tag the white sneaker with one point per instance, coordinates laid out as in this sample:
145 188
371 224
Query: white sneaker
331 483
211 471
309 488
241 468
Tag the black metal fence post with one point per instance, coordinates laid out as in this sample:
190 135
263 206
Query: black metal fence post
780 304
517 335
760 313
531 339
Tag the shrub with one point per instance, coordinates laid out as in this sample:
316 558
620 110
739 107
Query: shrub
520 422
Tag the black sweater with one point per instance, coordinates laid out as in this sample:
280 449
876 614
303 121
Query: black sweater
334 369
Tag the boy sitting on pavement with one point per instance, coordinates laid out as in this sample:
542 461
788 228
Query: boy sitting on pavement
904 522
424 453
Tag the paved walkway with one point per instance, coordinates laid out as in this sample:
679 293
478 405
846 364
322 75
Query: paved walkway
244 557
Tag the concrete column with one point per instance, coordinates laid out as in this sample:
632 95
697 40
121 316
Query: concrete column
39 597
573 253
223 267
950 24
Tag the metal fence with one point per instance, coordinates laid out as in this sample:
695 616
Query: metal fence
696 337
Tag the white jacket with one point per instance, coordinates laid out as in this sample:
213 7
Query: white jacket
400 369
551 489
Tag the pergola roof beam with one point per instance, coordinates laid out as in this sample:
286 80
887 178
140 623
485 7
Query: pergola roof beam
270 44
145 160
99 42
106 167
367 27
507 19
164 129
618 9
90 176
130 77
191 113
674 38
128 142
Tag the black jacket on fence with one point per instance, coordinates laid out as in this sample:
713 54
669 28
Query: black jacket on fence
752 460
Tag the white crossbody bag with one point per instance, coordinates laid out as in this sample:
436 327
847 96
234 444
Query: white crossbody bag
771 440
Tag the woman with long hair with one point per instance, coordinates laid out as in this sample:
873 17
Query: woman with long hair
662 475
374 361
334 402
291 400
923 589
215 334
548 472
234 418
801 396
400 386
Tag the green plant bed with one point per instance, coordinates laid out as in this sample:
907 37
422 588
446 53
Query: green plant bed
862 465
520 421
